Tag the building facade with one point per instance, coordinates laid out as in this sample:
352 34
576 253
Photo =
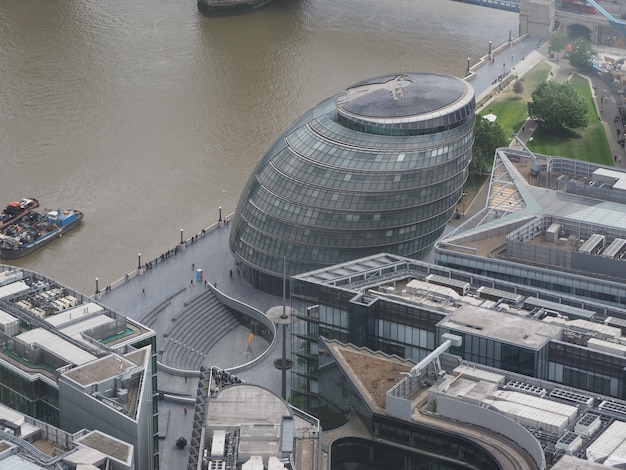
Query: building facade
72 363
377 168
403 307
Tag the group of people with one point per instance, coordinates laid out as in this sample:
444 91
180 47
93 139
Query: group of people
221 379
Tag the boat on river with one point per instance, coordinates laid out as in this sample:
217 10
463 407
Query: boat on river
36 229
15 210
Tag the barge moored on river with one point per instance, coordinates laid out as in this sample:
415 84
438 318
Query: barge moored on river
35 230
15 210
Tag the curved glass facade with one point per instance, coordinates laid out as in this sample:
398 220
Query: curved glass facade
377 168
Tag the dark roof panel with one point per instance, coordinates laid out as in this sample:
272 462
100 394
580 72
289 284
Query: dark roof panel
395 96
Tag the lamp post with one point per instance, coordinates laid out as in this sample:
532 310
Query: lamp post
510 38
503 69
602 102
489 49
97 288
467 72
220 209
138 260
463 203
181 237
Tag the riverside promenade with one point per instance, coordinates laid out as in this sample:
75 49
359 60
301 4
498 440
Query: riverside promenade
162 286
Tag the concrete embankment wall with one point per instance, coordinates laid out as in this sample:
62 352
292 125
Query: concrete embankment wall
230 7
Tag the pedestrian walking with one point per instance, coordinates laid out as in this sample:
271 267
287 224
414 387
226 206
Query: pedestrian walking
191 283
193 266
143 291
185 409
231 273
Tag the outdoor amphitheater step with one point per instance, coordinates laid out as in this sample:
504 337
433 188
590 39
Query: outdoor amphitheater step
200 305
192 341
189 326
196 347
205 338
202 323
199 329
191 355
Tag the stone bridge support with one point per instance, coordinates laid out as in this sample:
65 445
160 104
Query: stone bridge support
540 19
230 7
537 18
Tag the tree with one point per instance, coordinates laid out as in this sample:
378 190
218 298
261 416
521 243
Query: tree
557 106
558 41
581 54
518 87
488 136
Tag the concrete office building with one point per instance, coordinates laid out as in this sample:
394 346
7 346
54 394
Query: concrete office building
72 363
377 168
550 222
239 425
403 307
30 444
444 409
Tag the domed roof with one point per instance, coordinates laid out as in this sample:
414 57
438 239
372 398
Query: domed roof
395 96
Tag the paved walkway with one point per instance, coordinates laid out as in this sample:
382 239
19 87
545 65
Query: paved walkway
167 286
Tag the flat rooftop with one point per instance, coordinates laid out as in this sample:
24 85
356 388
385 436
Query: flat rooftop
367 371
518 196
101 369
61 347
108 445
502 326
41 313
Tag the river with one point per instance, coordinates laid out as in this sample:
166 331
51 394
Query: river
148 116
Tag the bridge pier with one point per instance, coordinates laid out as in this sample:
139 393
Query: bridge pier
230 7
537 18
540 19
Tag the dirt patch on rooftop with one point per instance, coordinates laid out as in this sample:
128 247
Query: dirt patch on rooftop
376 374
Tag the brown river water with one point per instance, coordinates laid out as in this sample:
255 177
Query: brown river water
148 116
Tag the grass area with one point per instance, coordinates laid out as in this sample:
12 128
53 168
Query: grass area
511 109
589 144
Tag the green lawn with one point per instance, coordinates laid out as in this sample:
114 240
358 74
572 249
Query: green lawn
588 144
510 108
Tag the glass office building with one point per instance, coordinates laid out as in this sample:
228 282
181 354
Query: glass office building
402 307
377 168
